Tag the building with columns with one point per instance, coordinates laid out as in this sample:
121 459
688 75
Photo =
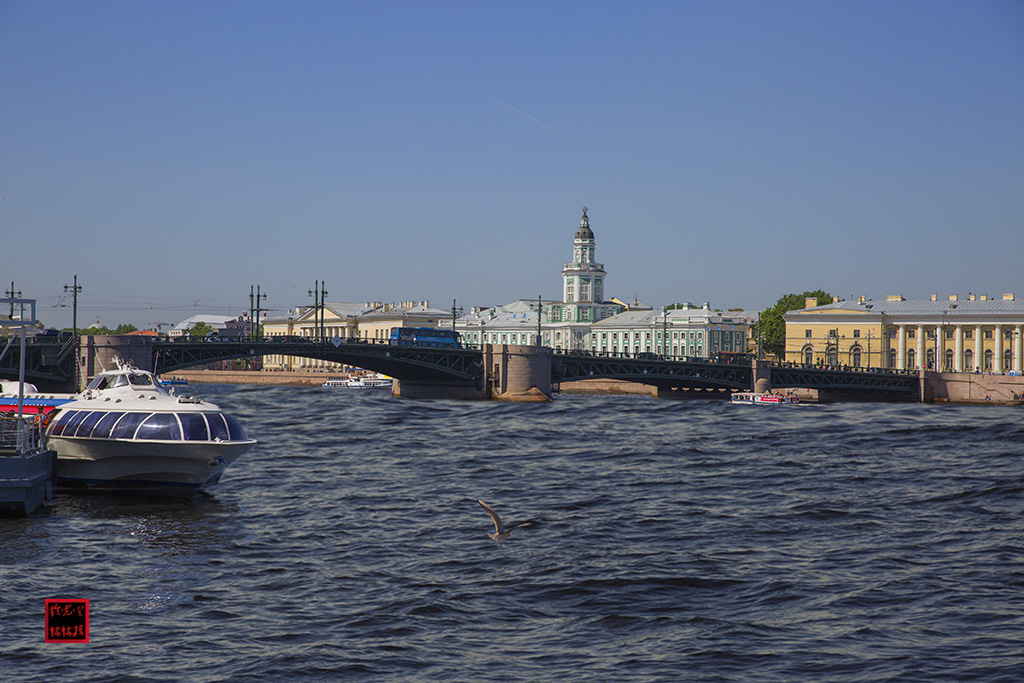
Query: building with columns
685 332
975 334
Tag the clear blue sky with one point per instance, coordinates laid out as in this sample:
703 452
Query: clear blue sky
171 154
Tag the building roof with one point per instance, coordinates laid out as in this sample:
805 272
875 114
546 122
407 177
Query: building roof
899 306
584 232
214 321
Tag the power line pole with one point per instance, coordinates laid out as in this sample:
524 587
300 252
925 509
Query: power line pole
319 294
254 306
13 295
75 289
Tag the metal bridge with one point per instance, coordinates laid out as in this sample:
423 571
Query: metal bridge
51 361
413 363
572 366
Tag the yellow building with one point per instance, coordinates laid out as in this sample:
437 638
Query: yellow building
979 333
366 321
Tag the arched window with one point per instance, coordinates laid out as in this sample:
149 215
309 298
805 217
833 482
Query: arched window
808 355
911 359
949 360
892 358
833 355
855 358
988 360
968 360
1007 360
930 359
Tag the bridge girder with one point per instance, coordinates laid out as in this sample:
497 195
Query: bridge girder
662 373
49 364
843 380
453 366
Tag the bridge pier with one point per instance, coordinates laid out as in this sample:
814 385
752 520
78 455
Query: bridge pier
762 370
518 372
405 388
98 353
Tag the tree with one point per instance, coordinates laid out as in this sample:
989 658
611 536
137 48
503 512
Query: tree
125 328
772 325
199 330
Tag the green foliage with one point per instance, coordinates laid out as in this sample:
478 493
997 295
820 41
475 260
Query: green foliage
773 327
95 330
199 330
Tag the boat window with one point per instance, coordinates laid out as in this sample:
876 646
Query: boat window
98 383
234 428
160 426
218 429
126 426
102 430
85 428
193 427
76 419
141 380
62 421
117 381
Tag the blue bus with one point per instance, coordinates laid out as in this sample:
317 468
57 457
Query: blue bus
424 336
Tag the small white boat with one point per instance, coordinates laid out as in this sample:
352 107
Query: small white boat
126 432
361 382
761 399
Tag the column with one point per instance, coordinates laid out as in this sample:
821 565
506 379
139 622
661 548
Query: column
901 347
958 349
1017 348
997 350
979 360
940 349
920 346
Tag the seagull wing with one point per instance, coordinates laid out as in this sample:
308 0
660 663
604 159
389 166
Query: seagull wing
494 516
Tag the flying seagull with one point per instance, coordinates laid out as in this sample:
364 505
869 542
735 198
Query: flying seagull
501 531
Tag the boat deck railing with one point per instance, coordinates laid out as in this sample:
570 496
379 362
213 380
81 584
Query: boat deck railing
19 435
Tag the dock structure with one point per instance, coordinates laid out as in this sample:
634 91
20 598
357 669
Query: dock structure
26 467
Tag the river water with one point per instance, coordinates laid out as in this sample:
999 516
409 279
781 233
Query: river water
675 541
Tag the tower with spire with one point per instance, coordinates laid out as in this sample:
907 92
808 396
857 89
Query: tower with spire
583 298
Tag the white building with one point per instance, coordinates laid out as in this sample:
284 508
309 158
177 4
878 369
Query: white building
224 325
583 303
585 320
513 323
683 332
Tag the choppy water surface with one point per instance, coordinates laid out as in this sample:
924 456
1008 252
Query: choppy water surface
677 541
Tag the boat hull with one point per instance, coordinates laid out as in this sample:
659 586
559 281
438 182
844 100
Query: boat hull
170 468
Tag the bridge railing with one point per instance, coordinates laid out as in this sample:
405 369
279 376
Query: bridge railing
842 368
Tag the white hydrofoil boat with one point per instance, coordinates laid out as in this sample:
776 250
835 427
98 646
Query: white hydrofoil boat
126 432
